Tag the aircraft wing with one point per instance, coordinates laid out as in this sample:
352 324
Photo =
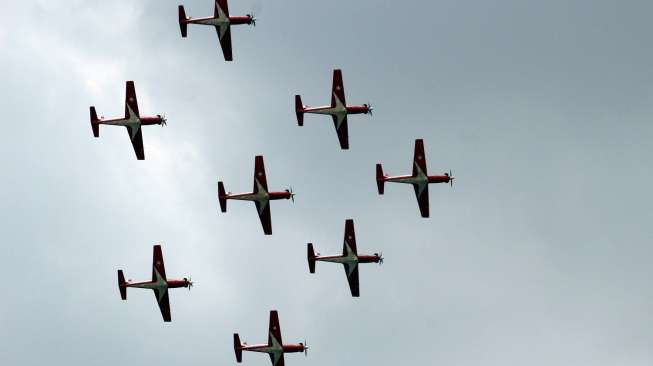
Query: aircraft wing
351 270
164 304
136 138
338 89
419 158
263 210
260 181
221 9
157 264
350 239
274 334
224 36
340 123
277 359
130 100
422 198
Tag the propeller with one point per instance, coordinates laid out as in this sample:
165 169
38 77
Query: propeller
369 108
164 121
380 255
451 178
189 280
305 344
252 18
292 195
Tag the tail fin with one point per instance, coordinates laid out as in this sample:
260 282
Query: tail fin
299 110
121 285
94 123
311 258
222 197
380 178
238 348
183 25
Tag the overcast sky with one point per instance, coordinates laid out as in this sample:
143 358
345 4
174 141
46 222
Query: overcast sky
539 255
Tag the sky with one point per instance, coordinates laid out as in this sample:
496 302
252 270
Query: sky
539 254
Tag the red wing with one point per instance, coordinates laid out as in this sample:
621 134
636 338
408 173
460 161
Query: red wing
422 199
137 141
224 36
164 305
157 264
279 359
419 158
265 216
221 5
130 100
274 328
338 89
352 278
342 131
350 238
259 174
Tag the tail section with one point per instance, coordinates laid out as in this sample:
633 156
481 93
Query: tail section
222 197
238 348
183 25
380 178
121 285
311 258
95 125
299 110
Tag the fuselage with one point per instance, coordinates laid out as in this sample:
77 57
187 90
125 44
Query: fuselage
131 121
265 348
221 22
161 284
352 258
418 179
261 195
337 110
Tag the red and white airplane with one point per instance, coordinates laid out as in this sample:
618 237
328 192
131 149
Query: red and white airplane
132 121
349 258
338 110
275 347
260 195
221 21
159 284
419 179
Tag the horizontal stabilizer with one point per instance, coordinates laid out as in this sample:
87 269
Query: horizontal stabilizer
94 123
222 197
121 285
183 24
311 258
380 178
238 348
299 110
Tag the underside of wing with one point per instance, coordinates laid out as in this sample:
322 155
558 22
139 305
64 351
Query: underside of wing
352 278
221 9
419 158
276 359
157 264
340 123
224 36
265 216
274 328
164 304
338 89
350 238
130 100
260 180
136 137
422 199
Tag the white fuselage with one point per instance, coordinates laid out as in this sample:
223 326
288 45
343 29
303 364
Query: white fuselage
216 22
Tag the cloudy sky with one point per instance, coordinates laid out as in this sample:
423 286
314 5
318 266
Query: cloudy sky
539 255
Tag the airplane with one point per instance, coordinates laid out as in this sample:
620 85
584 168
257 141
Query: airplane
419 179
338 110
159 284
260 195
349 258
132 121
222 23
275 347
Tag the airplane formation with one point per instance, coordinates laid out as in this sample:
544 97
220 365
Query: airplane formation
260 195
